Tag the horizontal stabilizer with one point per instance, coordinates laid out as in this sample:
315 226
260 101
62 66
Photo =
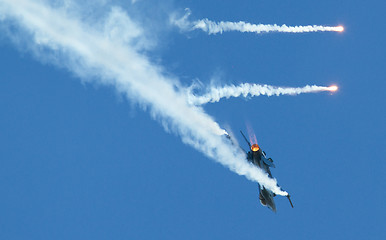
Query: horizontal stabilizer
269 162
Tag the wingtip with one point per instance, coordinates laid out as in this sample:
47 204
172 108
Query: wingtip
289 199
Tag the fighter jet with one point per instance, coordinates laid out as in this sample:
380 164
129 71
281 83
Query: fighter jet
257 157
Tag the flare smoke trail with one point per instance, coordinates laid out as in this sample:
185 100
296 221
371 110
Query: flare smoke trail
252 90
212 27
95 52
220 27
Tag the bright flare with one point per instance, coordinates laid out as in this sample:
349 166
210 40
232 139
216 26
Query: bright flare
333 88
340 28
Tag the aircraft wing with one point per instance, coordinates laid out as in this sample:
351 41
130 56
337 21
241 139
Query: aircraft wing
249 144
268 162
233 143
289 199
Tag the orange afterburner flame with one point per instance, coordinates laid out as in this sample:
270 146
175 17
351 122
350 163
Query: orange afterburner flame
333 88
255 147
251 134
253 140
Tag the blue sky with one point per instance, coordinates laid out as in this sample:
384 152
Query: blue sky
81 161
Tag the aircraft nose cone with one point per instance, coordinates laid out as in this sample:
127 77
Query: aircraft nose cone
274 209
272 206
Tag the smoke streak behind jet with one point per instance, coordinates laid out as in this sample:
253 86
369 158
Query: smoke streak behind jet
220 27
252 90
212 27
90 52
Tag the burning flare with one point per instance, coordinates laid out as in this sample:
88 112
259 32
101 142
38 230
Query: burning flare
339 28
333 88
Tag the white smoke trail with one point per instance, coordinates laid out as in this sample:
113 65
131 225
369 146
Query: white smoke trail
215 94
98 54
212 27
220 27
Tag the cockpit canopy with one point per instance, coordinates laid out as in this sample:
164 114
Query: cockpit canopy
262 200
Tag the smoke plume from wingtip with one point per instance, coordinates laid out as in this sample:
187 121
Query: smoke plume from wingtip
88 52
